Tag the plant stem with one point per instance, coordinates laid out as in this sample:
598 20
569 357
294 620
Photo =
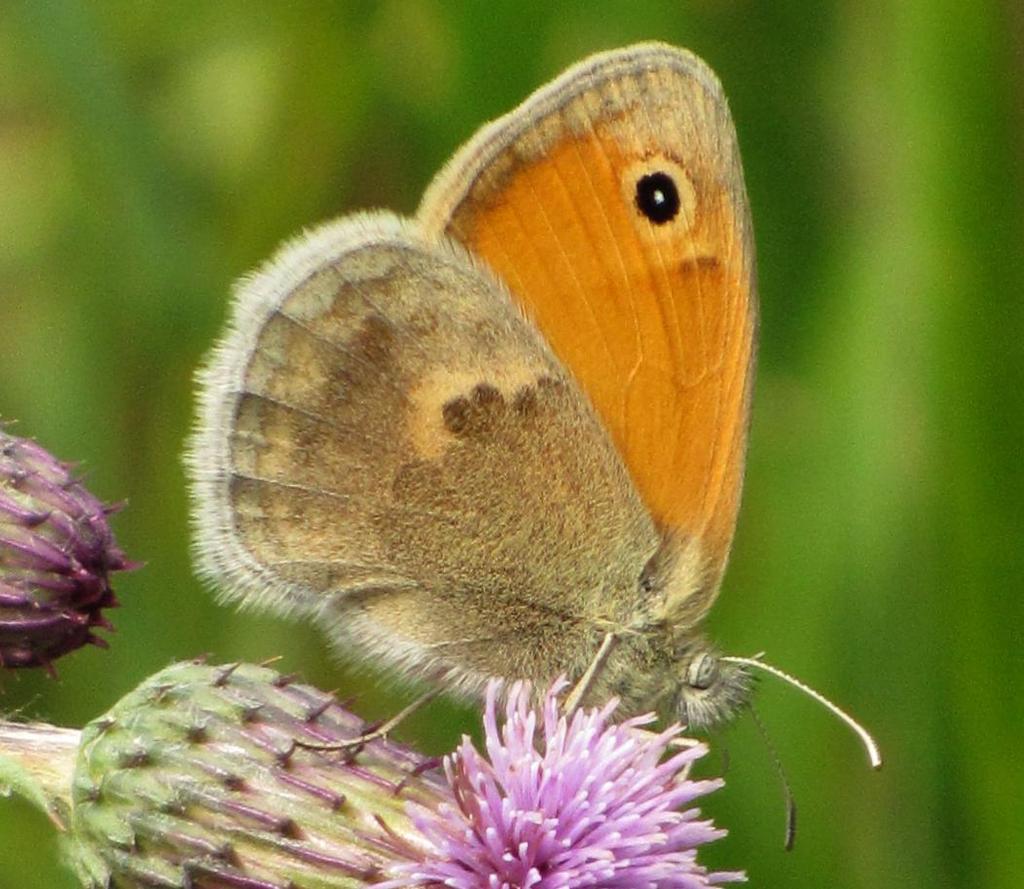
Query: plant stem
37 761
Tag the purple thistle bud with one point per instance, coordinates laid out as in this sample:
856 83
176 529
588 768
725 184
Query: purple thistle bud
588 803
56 552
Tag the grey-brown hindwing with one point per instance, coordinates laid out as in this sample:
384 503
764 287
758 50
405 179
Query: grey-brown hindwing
387 443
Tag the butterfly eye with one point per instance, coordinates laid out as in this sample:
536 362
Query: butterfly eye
657 197
703 671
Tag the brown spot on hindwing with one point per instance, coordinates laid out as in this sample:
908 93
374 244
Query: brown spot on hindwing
524 500
447 404
476 413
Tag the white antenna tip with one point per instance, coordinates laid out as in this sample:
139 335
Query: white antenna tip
871 748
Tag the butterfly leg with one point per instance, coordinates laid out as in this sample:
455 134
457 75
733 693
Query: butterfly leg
382 730
683 743
586 681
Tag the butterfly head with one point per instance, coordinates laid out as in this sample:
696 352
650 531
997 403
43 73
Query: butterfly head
678 584
711 690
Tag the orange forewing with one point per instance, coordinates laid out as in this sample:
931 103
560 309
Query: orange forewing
657 322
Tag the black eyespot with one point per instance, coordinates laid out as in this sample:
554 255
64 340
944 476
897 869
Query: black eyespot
657 197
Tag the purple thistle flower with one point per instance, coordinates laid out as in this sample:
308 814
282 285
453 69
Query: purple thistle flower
56 552
593 804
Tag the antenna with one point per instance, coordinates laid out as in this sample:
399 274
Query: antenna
874 755
787 790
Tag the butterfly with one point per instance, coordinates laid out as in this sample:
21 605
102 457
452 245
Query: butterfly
506 436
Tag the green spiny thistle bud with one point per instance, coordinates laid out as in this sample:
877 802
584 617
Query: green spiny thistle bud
56 552
212 777
238 778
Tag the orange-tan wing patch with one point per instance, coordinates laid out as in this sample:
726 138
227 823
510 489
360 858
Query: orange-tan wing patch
570 199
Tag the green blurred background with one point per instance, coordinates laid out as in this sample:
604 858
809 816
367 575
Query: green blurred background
152 152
